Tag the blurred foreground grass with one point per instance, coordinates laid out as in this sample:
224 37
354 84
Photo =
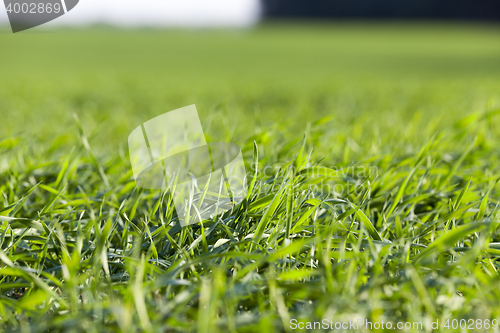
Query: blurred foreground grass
407 231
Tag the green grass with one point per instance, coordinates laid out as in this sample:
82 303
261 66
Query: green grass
376 193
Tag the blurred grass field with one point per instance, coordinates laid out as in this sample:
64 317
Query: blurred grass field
414 238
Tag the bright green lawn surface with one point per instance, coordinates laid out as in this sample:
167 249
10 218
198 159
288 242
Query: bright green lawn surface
406 232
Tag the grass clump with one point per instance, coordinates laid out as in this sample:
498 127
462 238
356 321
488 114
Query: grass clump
386 209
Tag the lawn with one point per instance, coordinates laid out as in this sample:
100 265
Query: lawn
373 166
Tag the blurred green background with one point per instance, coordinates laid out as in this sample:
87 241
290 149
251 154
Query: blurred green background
246 81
